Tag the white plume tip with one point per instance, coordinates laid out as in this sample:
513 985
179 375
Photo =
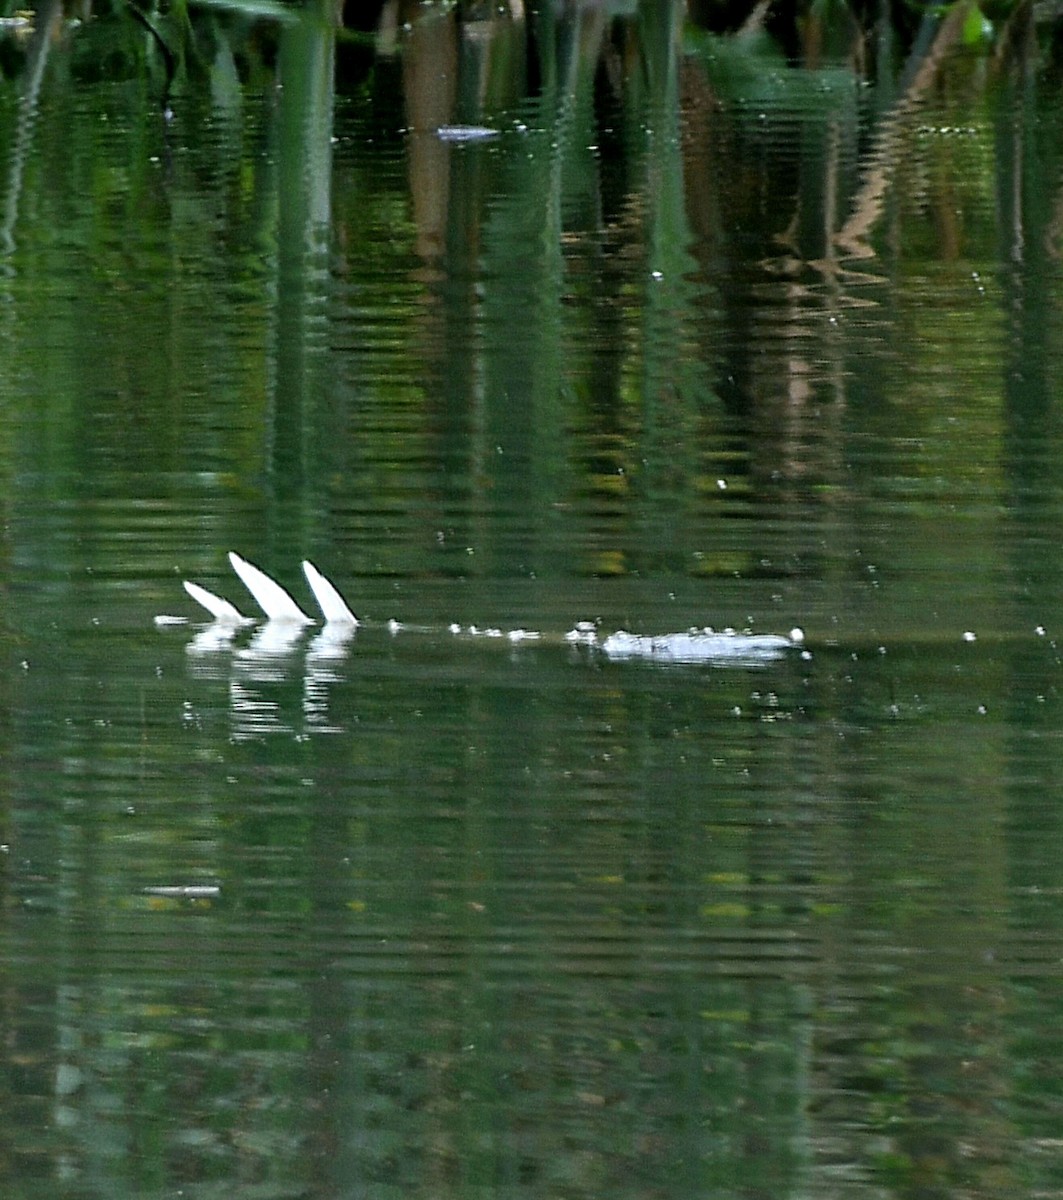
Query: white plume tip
333 606
268 593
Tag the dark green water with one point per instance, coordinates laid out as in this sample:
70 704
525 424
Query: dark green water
693 343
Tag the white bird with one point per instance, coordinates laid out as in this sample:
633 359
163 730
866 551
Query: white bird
274 601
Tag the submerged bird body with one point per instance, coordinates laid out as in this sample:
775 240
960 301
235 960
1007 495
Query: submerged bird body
285 619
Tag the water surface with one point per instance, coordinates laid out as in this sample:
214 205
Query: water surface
419 913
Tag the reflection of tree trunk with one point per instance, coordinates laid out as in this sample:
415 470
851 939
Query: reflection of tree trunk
334 1078
889 153
304 166
916 1054
448 69
430 85
833 38
47 26
1029 152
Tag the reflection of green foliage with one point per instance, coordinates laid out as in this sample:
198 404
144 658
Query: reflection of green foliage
753 75
111 47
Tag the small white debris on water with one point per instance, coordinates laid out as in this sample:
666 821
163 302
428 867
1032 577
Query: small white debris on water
394 626
454 628
797 635
722 484
465 133
186 892
523 635
969 637
1040 631
165 619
